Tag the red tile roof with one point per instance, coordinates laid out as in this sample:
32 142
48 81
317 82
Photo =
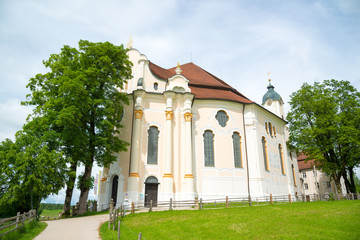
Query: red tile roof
301 162
202 83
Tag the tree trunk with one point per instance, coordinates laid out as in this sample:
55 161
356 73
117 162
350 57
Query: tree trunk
84 188
352 182
337 178
69 190
346 180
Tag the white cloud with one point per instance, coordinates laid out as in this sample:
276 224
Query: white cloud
13 117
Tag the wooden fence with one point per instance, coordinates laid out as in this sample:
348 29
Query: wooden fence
12 223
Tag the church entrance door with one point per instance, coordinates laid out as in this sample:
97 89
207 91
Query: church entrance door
151 191
114 189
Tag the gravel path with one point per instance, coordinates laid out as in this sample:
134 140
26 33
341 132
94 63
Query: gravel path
73 228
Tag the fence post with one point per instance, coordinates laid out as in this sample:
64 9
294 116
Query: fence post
227 202
139 238
290 198
17 219
132 207
196 203
119 230
201 205
171 208
250 202
271 201
352 196
23 220
151 204
257 201
109 218
215 203
113 219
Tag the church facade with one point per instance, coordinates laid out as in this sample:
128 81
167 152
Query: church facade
193 135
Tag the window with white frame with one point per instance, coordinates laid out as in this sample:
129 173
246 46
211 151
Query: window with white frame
153 138
237 150
209 148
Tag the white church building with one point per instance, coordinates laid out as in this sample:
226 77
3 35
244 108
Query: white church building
192 135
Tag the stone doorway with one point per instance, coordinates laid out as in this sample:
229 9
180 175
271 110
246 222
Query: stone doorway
114 189
151 191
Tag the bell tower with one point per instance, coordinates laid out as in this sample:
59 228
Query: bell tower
273 102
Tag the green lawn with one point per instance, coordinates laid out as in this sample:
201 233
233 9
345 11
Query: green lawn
30 232
309 220
50 213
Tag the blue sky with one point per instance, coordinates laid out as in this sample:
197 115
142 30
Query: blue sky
238 41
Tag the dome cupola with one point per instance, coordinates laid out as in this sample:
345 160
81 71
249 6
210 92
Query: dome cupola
271 94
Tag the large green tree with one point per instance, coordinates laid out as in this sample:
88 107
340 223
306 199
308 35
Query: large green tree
31 170
325 124
80 99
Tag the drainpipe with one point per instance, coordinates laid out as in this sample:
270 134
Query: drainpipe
246 157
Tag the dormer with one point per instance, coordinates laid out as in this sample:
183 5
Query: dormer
178 83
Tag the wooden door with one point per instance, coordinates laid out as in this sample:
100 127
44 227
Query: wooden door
151 192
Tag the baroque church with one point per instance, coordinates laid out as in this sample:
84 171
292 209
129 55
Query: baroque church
193 135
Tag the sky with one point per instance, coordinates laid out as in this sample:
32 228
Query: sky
239 41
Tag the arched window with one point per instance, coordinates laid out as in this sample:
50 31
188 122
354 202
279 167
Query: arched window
222 118
266 160
209 148
153 137
274 131
293 172
266 127
270 129
281 154
237 150
156 86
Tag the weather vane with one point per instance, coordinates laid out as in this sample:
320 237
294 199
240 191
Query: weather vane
130 43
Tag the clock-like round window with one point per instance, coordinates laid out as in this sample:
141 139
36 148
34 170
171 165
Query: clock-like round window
222 118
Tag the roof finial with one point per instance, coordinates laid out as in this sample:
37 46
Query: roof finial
130 43
269 77
178 69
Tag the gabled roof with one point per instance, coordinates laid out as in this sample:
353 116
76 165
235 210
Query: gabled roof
301 162
202 83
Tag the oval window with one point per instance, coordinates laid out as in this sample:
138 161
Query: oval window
222 118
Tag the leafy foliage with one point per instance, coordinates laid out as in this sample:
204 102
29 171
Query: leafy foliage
80 102
31 171
325 125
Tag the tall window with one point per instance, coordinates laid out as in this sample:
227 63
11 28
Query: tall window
266 160
304 174
270 129
153 138
306 186
209 148
281 159
293 172
237 150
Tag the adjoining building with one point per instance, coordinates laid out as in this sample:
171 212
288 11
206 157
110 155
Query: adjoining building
314 181
193 135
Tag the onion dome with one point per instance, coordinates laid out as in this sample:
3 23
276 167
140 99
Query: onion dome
271 94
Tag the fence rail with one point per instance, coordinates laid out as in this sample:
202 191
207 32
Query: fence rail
115 214
18 221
